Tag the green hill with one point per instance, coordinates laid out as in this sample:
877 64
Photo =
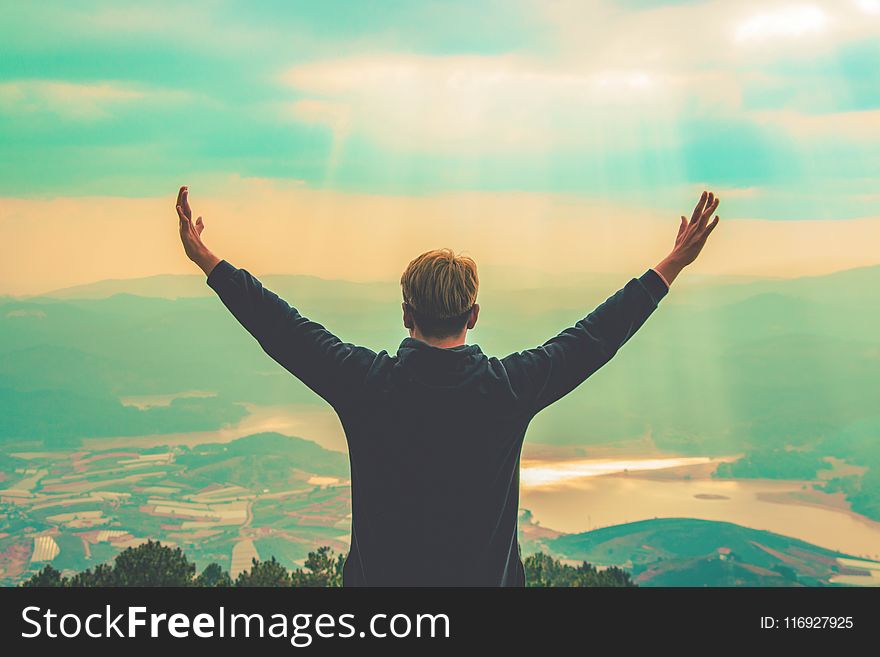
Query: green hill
691 552
263 460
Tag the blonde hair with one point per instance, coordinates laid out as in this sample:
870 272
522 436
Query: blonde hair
440 285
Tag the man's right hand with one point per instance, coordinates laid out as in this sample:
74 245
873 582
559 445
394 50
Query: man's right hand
691 238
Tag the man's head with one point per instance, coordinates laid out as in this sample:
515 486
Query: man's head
440 297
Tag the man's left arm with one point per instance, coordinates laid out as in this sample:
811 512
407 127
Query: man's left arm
548 372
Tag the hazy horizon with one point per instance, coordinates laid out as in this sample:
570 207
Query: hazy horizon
529 278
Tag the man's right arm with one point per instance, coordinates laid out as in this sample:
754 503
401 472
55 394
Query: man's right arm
330 367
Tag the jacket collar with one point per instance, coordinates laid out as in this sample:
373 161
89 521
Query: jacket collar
414 345
438 367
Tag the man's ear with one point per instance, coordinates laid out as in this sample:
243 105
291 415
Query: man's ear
407 317
475 312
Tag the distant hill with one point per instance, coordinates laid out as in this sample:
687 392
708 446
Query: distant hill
181 286
693 287
262 460
691 552
166 286
857 284
493 278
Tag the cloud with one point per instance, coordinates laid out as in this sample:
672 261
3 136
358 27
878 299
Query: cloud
738 192
856 126
616 78
695 35
783 22
869 6
471 102
73 100
739 43
586 95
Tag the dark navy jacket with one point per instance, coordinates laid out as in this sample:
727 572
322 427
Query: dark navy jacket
434 434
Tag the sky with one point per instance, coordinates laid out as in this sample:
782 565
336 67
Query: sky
341 139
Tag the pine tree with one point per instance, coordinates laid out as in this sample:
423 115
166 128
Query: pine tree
264 573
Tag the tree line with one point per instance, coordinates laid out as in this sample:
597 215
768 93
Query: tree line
154 564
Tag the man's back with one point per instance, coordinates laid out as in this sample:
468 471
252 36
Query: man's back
434 445
434 434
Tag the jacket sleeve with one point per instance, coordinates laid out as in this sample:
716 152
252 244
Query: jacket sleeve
542 375
330 367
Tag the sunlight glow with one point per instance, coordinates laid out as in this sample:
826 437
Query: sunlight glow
792 21
869 6
625 80
547 473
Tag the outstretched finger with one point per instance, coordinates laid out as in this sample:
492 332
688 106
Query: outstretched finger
186 209
200 225
180 195
711 226
709 211
183 217
698 209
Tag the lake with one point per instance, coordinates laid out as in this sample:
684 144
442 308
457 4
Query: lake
600 494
